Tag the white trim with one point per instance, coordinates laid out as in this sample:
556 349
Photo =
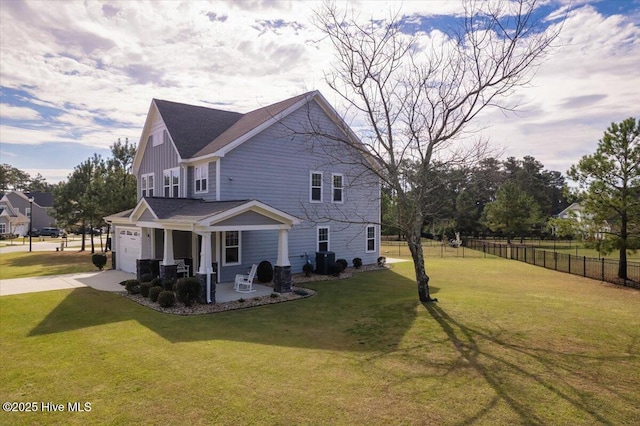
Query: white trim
205 169
145 178
171 185
224 249
255 206
367 239
311 187
333 188
3 228
218 179
318 228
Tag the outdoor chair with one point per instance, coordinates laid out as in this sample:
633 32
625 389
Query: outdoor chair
183 268
244 283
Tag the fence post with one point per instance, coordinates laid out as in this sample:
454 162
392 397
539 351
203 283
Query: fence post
555 260
525 254
544 258
569 271
584 266
603 269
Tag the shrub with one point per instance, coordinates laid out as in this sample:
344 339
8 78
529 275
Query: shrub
132 286
241 300
157 281
382 260
154 292
337 269
99 259
265 272
274 295
144 289
146 278
168 284
187 290
342 262
301 292
166 299
307 269
357 262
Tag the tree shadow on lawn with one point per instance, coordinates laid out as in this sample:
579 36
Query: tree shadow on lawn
514 371
371 311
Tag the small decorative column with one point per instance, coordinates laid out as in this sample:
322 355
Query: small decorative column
168 268
282 269
207 283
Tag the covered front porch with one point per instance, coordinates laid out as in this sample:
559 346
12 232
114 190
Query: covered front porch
212 241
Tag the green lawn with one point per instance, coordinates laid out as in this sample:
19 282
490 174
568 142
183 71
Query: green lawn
508 343
39 263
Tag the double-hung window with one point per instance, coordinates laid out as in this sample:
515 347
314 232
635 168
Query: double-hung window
200 174
323 238
231 249
316 187
171 183
3 228
337 185
27 211
147 185
371 239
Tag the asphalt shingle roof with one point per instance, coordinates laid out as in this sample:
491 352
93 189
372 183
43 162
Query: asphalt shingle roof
198 131
189 209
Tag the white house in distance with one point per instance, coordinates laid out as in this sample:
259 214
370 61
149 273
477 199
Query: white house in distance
576 212
223 190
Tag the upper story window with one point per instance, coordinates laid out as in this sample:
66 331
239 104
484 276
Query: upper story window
231 249
371 239
323 238
27 211
171 183
200 174
316 187
337 184
3 228
147 185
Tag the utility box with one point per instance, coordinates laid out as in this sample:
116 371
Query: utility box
324 262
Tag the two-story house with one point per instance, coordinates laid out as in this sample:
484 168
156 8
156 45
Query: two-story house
224 190
18 208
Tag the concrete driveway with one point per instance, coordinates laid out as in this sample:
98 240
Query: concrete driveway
100 280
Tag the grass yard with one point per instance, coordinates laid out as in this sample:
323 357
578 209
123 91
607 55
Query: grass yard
508 343
40 263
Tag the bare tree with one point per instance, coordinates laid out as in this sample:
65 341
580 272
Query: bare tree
420 96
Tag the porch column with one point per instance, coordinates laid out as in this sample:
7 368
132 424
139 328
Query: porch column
168 268
282 269
207 285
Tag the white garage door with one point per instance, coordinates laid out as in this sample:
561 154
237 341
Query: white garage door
129 246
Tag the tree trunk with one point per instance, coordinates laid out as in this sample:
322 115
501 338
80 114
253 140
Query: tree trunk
622 263
422 279
84 231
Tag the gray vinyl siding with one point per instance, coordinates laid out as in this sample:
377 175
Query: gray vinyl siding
274 167
41 217
156 160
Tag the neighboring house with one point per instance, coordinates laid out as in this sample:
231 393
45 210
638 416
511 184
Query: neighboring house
225 190
585 225
18 207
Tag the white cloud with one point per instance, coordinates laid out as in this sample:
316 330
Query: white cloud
18 113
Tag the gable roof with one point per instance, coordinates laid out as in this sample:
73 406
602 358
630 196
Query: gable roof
193 127
42 199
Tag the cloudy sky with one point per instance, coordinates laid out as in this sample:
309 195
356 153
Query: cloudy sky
77 75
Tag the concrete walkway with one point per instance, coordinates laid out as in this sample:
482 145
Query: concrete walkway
100 280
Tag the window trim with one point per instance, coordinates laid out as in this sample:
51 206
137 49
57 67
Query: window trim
205 179
144 185
170 173
333 188
27 211
318 228
367 238
3 227
311 187
225 246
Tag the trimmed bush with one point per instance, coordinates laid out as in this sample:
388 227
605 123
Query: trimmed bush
264 272
357 262
382 260
154 292
274 295
169 285
342 262
166 299
99 259
146 278
144 289
187 290
157 281
307 269
337 269
132 286
301 292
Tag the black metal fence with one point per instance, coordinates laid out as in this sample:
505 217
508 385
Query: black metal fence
599 269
